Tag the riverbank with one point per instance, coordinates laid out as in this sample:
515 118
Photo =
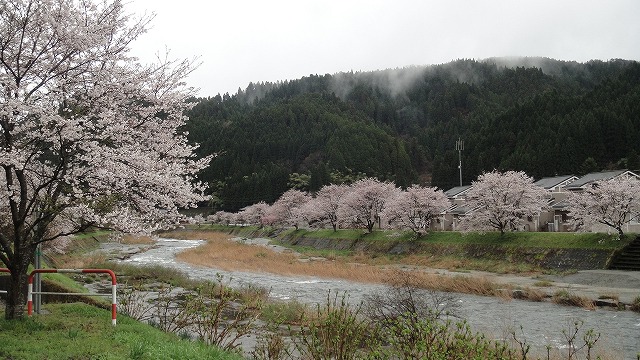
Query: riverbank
514 252
540 323
586 288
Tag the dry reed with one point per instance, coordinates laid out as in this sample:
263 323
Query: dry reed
75 262
223 253
564 297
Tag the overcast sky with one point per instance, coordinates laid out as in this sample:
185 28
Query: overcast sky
242 41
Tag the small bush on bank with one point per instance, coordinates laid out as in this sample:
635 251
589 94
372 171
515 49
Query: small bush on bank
635 306
564 297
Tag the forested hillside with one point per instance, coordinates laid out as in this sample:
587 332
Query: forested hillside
538 115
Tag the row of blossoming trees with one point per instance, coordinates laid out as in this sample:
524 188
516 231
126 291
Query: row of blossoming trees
502 201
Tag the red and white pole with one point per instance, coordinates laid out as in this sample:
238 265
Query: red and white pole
114 286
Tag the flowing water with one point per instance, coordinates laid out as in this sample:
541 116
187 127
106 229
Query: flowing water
542 323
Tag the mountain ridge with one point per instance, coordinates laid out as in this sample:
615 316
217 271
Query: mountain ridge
539 115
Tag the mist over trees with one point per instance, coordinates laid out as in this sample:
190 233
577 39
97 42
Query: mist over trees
541 116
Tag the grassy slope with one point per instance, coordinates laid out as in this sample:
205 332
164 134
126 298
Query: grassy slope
558 240
79 331
507 253
513 239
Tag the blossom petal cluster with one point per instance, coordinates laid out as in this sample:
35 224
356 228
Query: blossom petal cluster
503 201
89 137
364 204
613 203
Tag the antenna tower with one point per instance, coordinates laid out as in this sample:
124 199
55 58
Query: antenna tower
460 147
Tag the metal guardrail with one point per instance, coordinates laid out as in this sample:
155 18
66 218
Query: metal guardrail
75 271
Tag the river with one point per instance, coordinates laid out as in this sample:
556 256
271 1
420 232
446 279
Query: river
542 322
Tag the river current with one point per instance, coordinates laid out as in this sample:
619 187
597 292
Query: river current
542 322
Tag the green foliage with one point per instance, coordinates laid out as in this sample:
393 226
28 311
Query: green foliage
136 274
335 331
411 338
545 117
290 312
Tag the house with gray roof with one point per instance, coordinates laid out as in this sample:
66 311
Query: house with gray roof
449 219
457 192
556 183
556 216
580 183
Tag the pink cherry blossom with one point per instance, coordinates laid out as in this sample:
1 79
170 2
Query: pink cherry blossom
613 203
503 201
253 214
284 210
90 137
415 208
363 204
322 210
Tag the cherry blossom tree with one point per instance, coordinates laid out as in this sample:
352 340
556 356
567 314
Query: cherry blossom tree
503 201
253 214
284 210
322 210
415 208
88 136
614 203
364 202
222 217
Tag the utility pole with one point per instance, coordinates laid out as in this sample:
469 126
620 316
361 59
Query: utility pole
38 281
460 147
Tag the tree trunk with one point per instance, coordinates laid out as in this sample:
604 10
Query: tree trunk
17 292
370 225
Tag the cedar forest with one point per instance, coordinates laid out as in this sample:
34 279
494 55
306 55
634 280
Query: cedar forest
538 115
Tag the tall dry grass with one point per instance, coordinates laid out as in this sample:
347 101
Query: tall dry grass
223 253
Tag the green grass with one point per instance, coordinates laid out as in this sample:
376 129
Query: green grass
66 282
134 274
350 234
325 253
79 331
559 240
511 239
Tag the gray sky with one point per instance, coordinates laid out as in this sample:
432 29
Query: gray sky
239 41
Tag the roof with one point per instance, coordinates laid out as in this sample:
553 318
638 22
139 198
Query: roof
560 205
589 178
551 182
459 210
458 190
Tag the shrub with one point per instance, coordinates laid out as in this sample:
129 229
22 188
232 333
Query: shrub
635 305
335 331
